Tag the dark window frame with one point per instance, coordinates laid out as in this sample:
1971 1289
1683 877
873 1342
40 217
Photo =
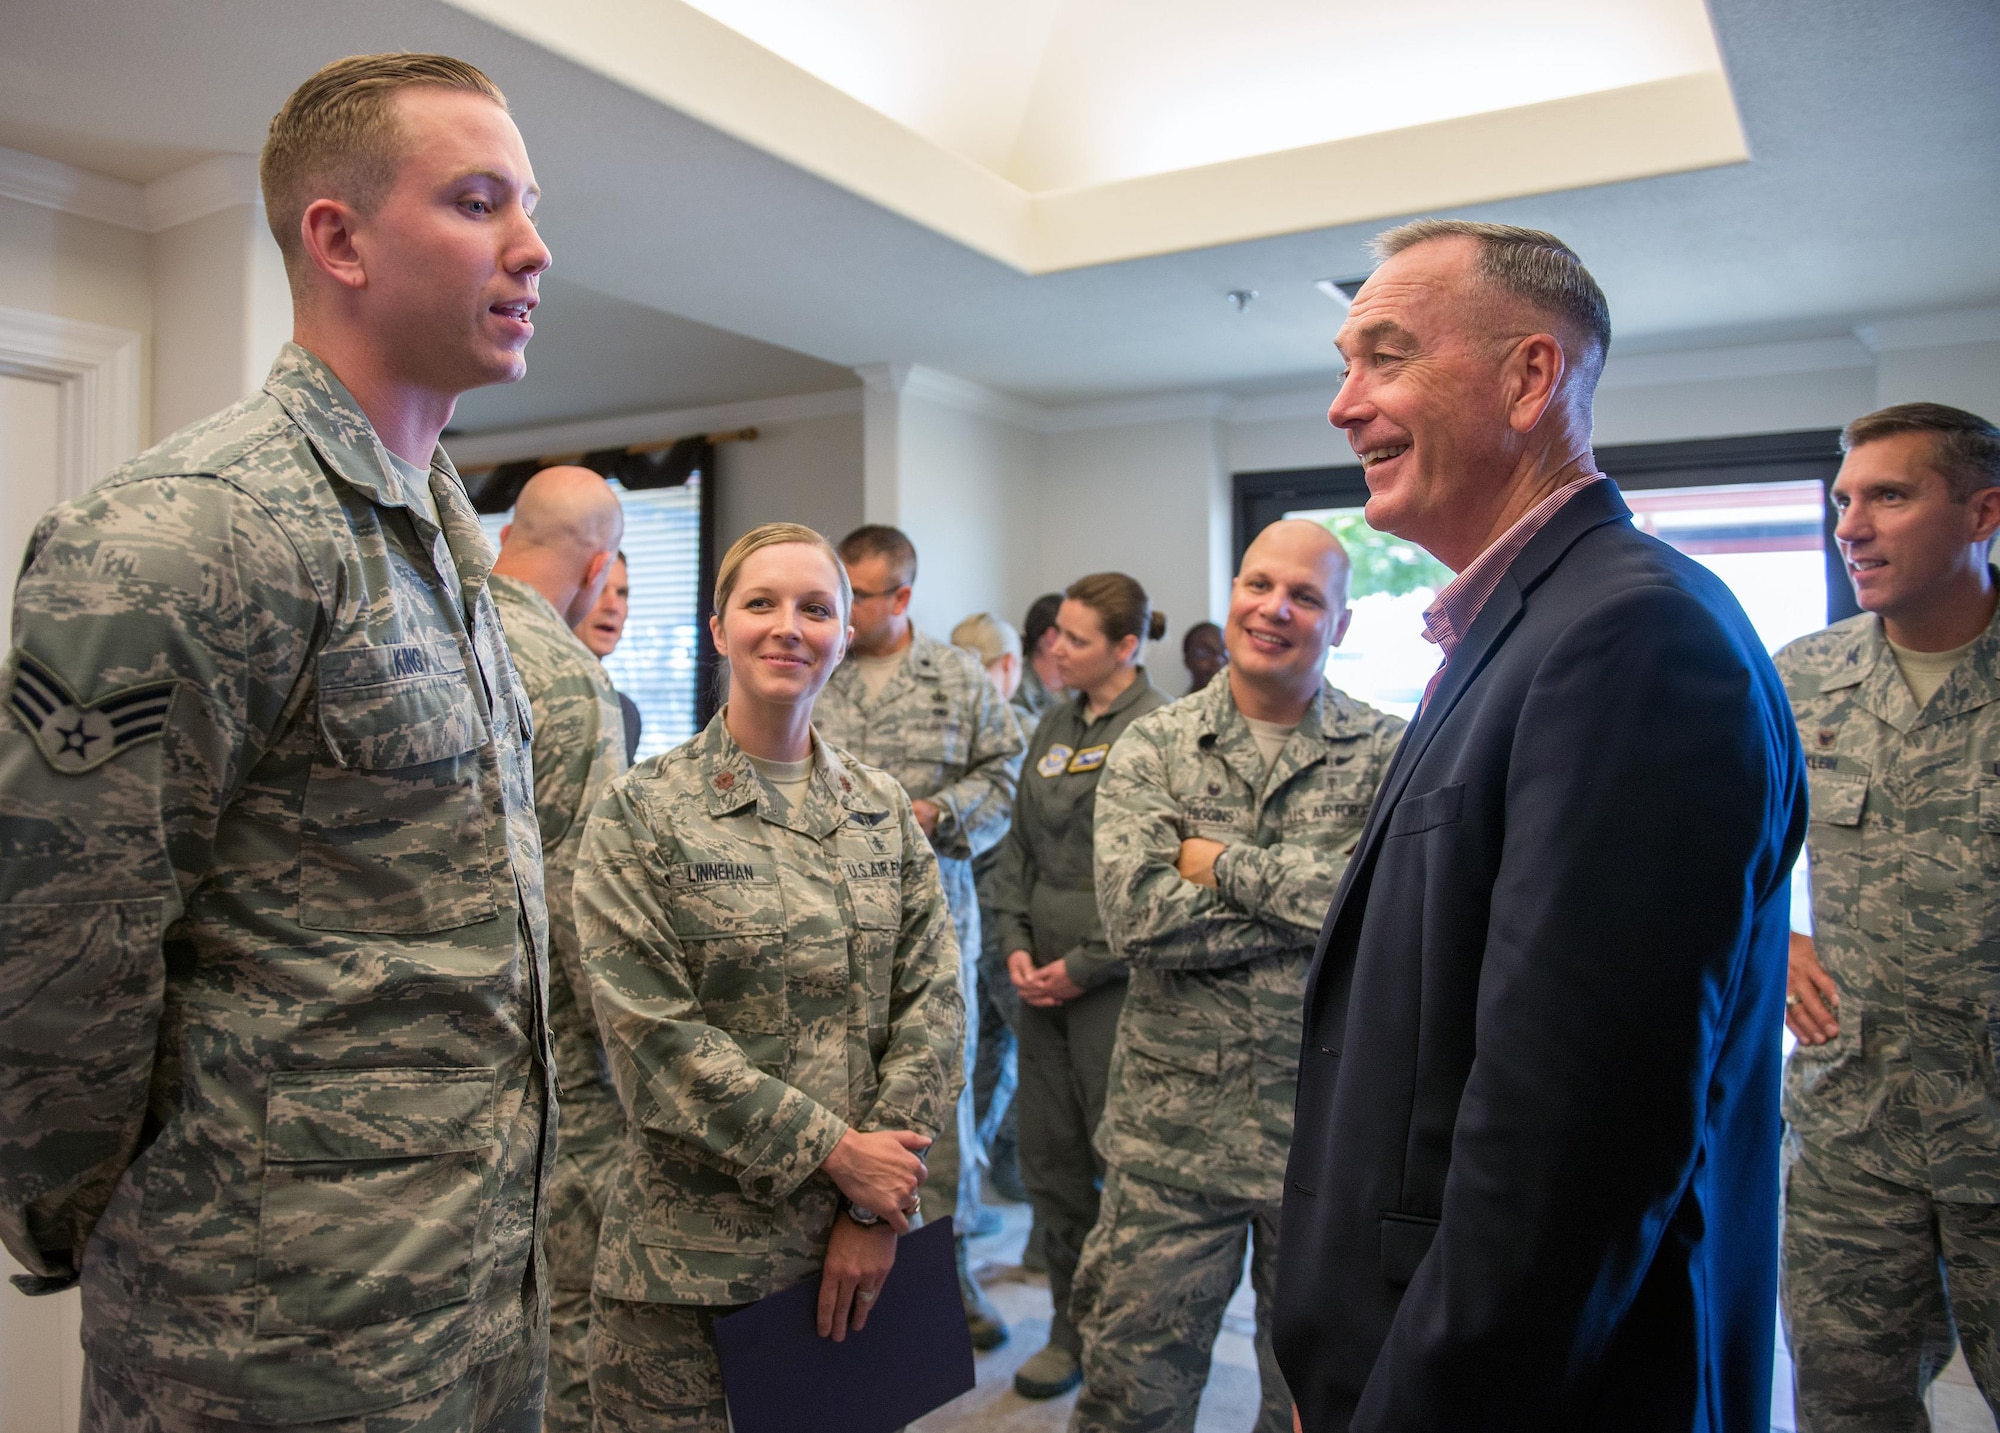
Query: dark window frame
1260 498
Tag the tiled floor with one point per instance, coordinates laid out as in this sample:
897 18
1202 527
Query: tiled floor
1229 1405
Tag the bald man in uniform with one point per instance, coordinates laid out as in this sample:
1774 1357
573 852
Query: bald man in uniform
555 557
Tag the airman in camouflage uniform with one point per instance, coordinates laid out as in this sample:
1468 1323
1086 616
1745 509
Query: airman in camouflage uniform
941 730
272 940
579 746
1198 1118
1902 1107
766 979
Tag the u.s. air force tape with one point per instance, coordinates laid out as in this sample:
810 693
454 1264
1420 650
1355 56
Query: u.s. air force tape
75 738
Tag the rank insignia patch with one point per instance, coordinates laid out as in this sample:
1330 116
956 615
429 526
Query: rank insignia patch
1090 758
76 738
1054 760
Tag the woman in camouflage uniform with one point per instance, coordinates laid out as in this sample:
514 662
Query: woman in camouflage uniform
773 969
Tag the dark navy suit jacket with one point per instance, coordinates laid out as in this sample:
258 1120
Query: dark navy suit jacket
1534 1179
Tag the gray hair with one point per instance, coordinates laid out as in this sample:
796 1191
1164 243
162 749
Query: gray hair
1531 265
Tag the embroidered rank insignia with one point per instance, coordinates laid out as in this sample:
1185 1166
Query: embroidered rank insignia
1054 760
76 738
1090 758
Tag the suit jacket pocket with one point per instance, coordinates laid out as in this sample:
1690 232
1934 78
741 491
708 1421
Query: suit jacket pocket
1441 807
1406 1238
374 1181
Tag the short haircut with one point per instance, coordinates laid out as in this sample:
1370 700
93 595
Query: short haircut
877 539
1041 616
1965 448
1531 265
337 136
987 637
773 534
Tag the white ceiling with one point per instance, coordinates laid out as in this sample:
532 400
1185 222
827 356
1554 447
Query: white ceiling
1874 189
1058 94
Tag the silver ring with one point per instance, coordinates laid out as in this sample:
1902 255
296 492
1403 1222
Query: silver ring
866 1296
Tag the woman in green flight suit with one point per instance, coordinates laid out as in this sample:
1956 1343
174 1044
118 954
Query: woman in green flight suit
1046 902
774 972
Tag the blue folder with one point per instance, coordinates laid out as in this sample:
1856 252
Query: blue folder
915 1354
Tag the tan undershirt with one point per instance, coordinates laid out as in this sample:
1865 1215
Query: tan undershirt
785 780
876 672
1270 738
419 482
1926 671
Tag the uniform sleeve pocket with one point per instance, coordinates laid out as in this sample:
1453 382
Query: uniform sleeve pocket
374 1181
1406 1238
1441 807
1837 796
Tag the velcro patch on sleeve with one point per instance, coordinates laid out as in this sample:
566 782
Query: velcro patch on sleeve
75 738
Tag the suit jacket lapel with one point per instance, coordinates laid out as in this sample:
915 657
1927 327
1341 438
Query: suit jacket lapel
1591 508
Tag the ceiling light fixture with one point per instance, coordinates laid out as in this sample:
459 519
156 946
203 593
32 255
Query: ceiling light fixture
1240 298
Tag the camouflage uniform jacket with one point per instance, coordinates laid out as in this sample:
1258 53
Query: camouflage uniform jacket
1206 1065
763 984
579 747
272 941
941 729
1044 891
1905 857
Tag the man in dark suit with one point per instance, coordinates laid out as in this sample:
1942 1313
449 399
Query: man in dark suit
1534 1178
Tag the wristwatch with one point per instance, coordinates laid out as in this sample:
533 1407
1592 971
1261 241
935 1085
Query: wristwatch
866 1218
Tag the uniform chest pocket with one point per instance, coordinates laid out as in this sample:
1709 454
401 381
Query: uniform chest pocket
374 1181
1838 797
396 830
732 935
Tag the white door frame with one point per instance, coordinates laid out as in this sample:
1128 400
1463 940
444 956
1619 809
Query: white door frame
96 371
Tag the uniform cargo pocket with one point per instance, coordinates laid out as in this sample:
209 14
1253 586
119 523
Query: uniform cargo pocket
373 1185
396 829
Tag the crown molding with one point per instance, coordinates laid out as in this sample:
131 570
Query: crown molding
948 389
1129 412
1750 360
1932 330
52 184
475 450
1279 407
219 182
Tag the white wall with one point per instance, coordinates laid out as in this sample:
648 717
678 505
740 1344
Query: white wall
222 310
1150 500
798 470
970 490
1965 375
75 268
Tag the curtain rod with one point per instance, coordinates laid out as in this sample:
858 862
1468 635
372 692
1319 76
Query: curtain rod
732 435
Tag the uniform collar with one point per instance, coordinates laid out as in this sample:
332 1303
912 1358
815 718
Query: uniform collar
1973 683
732 784
1871 667
919 664
352 451
1227 731
1080 702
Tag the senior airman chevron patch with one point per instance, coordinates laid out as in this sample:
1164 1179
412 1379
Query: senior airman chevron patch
76 738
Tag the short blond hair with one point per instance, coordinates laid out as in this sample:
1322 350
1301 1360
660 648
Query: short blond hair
987 637
337 136
776 534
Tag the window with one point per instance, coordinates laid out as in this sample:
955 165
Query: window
656 662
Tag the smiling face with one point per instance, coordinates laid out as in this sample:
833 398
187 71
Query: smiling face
1287 607
1910 548
781 629
451 259
1423 403
605 623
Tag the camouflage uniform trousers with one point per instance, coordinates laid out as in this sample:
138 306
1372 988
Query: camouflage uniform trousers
502 1395
1156 1274
653 1368
1876 1278
589 1138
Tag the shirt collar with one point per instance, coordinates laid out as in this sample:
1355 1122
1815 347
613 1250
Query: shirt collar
1457 607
